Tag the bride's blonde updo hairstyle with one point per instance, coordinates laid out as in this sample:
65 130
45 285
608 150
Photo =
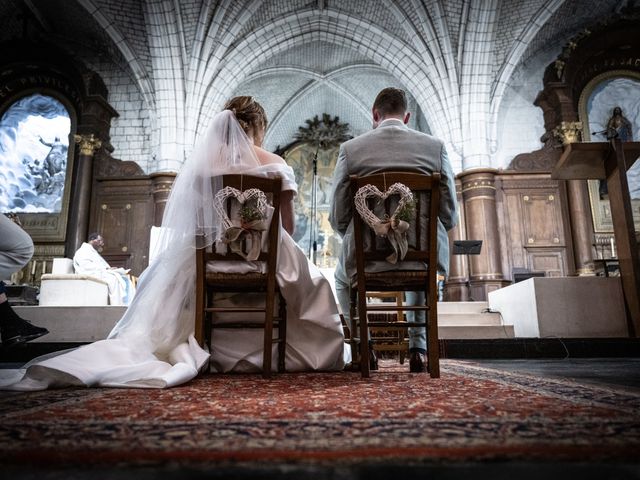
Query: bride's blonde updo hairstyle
249 113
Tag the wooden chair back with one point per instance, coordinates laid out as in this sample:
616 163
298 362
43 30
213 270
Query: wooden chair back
208 283
422 248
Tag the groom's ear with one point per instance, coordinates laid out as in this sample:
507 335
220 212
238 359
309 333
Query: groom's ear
376 115
406 117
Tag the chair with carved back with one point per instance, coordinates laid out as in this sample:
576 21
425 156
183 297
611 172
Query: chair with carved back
380 202
240 246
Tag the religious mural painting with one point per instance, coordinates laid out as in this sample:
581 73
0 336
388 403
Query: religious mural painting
34 144
35 159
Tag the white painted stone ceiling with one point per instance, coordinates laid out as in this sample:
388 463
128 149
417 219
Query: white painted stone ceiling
169 65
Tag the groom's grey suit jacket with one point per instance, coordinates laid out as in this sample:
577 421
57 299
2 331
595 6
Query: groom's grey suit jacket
391 146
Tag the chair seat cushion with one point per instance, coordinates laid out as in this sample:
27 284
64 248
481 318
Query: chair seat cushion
234 281
404 280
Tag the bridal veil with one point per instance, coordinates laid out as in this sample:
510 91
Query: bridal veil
153 344
162 312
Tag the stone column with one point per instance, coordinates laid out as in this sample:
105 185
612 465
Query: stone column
77 230
161 187
481 221
581 227
457 286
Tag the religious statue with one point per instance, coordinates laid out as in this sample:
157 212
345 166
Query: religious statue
619 126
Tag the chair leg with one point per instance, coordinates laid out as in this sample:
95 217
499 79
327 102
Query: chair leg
268 336
433 350
208 322
364 333
353 296
282 334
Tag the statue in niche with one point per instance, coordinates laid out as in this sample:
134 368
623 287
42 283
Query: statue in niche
618 126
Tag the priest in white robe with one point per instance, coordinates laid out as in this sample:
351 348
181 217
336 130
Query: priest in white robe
88 261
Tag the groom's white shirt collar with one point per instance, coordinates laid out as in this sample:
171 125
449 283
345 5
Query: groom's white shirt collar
392 122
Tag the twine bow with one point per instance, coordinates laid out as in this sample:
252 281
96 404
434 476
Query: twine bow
240 232
395 231
390 227
247 233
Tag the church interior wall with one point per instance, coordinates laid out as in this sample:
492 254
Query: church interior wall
131 131
305 58
520 124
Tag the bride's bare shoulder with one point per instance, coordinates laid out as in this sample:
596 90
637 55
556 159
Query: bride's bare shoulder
266 157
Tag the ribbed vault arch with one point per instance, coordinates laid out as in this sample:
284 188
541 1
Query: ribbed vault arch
120 41
394 56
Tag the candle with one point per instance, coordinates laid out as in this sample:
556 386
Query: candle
33 268
613 248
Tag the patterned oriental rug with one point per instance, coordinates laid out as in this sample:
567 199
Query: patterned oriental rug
470 414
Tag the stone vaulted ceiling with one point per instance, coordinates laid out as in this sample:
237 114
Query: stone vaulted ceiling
170 64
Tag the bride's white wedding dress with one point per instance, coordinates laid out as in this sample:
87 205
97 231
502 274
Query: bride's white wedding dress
152 346
315 338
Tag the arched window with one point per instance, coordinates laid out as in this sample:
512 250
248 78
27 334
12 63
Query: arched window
34 145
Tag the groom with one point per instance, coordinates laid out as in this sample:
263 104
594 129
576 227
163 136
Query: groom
391 146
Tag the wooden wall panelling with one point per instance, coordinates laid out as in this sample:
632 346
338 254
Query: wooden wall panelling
537 236
514 228
565 218
123 212
505 227
547 259
541 218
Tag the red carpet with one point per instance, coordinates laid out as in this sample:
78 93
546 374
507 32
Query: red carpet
470 414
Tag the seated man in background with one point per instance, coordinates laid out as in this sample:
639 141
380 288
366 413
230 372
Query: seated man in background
88 261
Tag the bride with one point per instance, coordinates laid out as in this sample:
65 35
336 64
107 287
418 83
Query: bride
152 346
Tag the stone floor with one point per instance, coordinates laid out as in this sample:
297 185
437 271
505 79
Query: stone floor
607 372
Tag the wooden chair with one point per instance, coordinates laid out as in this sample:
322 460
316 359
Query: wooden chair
422 241
208 282
392 338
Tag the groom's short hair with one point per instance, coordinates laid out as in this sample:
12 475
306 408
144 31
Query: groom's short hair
391 101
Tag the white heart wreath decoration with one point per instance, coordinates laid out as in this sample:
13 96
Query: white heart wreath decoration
392 227
251 222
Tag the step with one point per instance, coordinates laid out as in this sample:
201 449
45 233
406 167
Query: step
462 307
72 324
463 319
88 324
475 332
